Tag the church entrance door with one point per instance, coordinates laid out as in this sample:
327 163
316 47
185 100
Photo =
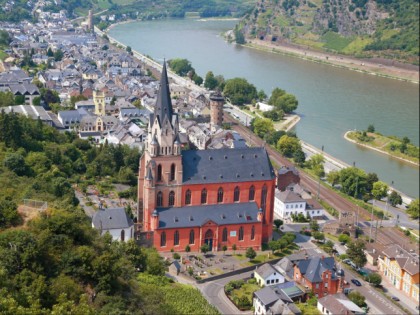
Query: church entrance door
208 239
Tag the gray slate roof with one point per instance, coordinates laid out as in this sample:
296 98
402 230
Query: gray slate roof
265 270
108 219
314 267
226 166
221 214
267 296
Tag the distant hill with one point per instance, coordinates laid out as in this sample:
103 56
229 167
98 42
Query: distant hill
145 9
362 28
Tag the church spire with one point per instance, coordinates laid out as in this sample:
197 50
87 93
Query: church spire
163 106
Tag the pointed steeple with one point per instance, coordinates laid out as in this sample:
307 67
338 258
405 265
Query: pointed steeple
163 106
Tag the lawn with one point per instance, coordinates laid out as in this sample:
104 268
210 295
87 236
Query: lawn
335 42
242 296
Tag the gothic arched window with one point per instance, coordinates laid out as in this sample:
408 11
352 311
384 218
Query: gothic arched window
188 197
176 238
263 197
241 234
159 173
236 194
224 235
163 239
252 233
220 195
192 237
159 199
171 198
172 175
204 196
251 193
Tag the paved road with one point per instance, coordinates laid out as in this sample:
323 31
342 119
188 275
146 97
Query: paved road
214 293
403 218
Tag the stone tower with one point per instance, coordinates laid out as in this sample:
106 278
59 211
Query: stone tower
90 21
99 101
160 169
216 110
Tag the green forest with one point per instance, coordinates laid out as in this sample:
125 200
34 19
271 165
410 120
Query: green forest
56 263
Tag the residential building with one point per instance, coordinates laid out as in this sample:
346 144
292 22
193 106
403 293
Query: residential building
115 222
287 175
401 268
267 275
338 304
319 275
214 197
274 301
288 203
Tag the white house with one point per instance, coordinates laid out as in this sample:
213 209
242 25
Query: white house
267 275
116 222
265 107
287 203
338 304
271 301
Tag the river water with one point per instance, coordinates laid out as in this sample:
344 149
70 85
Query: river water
331 100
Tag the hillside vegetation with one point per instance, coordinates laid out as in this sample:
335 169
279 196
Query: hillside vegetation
362 28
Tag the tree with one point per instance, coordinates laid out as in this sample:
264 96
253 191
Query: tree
379 190
224 249
288 145
234 247
319 236
357 298
261 95
8 214
371 178
240 91
353 181
282 243
187 248
262 126
273 245
197 79
180 66
328 246
343 238
210 81
371 128
355 252
239 37
278 223
394 198
50 53
299 157
58 55
204 248
333 177
16 163
277 93
413 209
314 225
250 253
374 278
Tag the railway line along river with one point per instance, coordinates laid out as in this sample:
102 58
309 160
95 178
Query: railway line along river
331 100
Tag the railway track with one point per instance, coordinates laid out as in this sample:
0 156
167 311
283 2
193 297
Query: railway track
336 201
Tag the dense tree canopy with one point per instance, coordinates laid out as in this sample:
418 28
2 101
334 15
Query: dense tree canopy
240 91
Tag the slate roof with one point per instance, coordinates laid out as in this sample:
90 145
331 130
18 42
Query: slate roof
267 296
288 196
226 166
313 268
108 219
287 169
163 107
195 216
265 270
339 305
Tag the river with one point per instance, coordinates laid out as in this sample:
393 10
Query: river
331 100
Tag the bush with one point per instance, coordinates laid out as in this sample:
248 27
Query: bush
176 256
252 281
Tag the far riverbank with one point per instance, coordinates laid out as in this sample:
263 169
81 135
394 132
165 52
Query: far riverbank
385 68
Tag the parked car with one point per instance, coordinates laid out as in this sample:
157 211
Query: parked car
395 298
347 261
356 282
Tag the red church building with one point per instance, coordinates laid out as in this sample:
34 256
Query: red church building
215 197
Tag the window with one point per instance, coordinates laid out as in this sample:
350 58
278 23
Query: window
188 197
122 235
252 233
159 173
241 233
176 238
220 195
192 237
317 286
236 194
251 193
224 235
163 239
171 198
263 197
159 199
172 175
204 196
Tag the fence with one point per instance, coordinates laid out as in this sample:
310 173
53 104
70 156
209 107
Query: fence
35 204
